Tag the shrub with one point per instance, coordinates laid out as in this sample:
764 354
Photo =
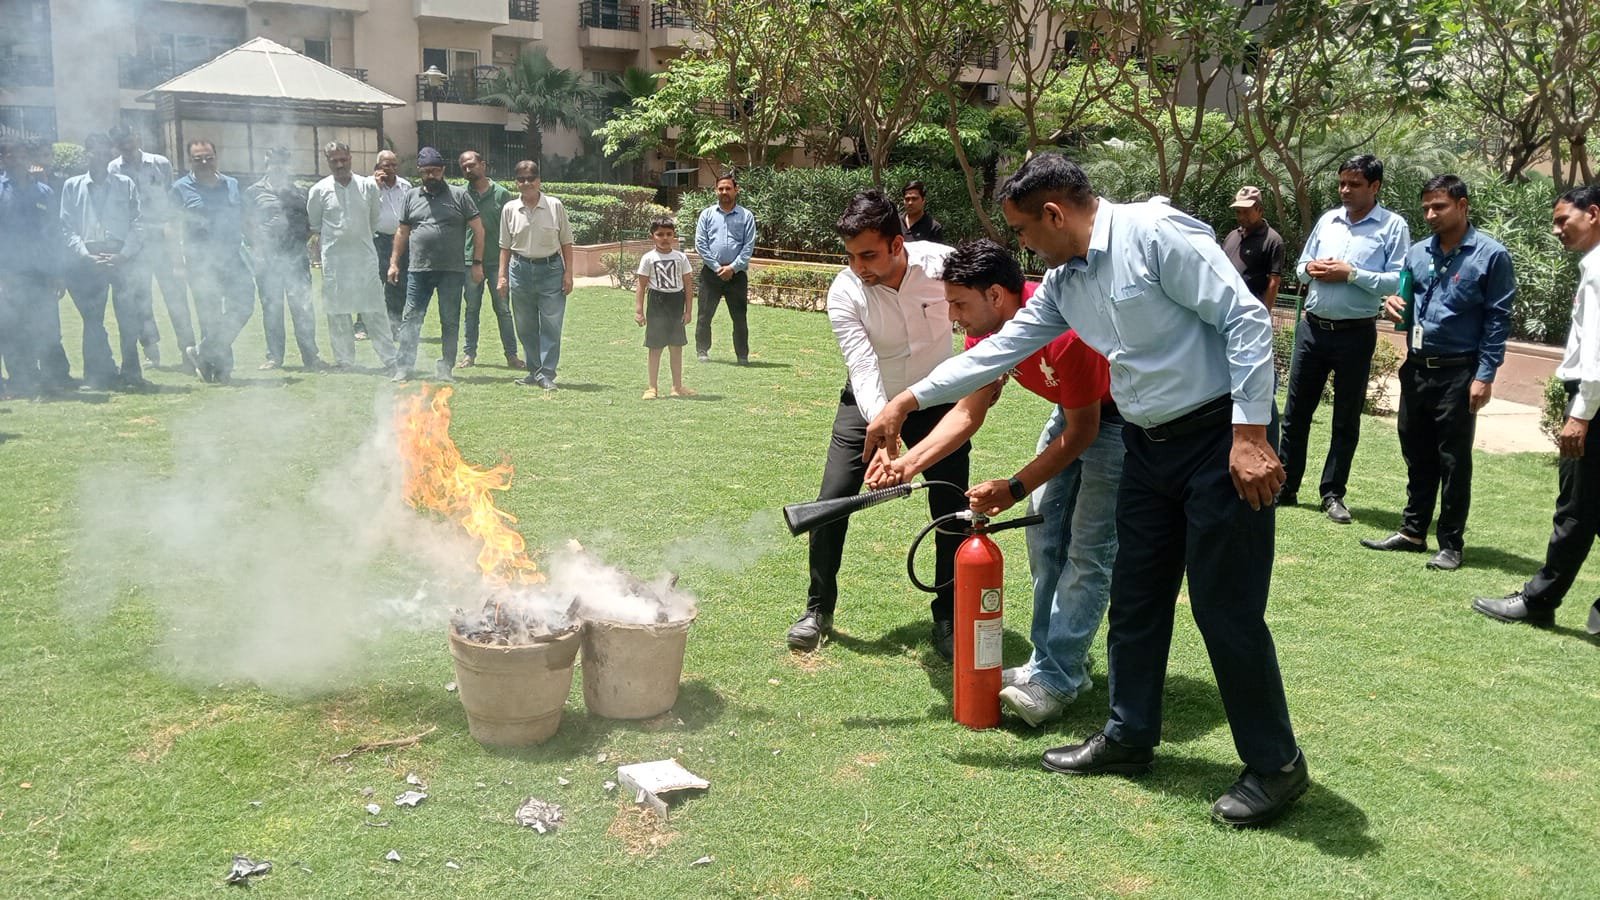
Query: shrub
1385 365
622 268
791 287
1554 417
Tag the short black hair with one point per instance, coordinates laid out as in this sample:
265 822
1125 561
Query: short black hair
1045 177
1583 196
200 142
980 264
98 139
1450 184
660 222
726 175
120 133
914 185
475 154
1366 165
530 165
870 210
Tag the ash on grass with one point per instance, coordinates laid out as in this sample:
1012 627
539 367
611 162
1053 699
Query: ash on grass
270 560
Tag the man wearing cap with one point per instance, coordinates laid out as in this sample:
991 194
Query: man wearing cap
277 230
433 229
1255 248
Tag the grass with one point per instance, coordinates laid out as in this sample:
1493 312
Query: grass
1452 756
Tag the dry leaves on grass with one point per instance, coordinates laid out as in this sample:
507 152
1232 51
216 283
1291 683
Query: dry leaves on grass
857 767
162 739
640 831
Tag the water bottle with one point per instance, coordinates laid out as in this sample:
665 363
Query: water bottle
1409 316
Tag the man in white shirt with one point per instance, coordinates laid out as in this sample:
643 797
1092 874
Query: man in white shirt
890 316
392 191
536 267
1577 520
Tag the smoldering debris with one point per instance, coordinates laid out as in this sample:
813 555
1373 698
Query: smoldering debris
518 617
608 594
410 798
244 868
540 815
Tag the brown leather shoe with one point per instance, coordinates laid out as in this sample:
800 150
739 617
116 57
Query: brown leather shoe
514 362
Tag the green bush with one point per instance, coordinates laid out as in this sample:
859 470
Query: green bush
1554 417
1386 362
622 268
796 208
791 287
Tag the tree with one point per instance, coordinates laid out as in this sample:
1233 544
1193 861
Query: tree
548 95
1043 38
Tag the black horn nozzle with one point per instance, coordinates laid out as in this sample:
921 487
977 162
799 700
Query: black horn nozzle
803 517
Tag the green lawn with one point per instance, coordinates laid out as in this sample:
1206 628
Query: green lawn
1452 756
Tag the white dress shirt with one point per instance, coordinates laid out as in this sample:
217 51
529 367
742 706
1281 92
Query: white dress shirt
891 338
392 204
1581 362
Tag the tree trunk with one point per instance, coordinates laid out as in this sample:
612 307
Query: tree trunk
533 143
973 194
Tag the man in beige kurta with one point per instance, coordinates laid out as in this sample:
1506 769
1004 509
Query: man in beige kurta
343 209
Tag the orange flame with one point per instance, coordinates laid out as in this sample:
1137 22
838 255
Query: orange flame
438 479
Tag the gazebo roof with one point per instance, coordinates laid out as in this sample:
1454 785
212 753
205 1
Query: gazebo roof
260 69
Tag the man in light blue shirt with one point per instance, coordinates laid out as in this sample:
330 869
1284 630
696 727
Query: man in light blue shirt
100 220
1351 262
1190 350
725 238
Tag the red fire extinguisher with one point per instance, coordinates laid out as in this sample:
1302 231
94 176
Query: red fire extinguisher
979 609
980 585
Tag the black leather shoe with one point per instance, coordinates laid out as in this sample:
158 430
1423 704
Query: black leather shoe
808 631
1513 607
1446 560
1336 510
1257 798
944 639
1286 498
1396 541
1099 755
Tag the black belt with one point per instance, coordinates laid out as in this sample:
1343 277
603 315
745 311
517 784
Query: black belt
542 259
1209 415
1444 362
1317 321
1108 411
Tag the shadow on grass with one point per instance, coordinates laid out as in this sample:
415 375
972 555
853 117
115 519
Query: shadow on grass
1471 558
752 364
582 387
259 383
8 436
698 707
76 396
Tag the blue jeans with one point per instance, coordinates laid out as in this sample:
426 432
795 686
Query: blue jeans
285 279
538 308
1070 555
419 292
502 316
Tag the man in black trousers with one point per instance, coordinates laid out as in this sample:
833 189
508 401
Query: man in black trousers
1463 287
1577 520
1191 371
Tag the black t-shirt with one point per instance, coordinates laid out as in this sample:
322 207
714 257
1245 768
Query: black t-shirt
1258 255
927 229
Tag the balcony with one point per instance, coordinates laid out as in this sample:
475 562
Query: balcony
22 72
671 29
140 73
460 87
471 12
358 74
608 25
524 10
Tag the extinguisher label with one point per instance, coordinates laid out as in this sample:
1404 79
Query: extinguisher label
987 638
991 600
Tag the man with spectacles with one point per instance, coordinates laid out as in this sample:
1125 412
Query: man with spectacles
536 267
210 208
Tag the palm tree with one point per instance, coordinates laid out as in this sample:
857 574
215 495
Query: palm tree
548 95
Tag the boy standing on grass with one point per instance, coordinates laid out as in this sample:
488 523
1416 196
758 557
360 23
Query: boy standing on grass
664 276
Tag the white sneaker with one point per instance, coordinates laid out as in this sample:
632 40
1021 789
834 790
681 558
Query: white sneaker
1594 618
1015 676
1032 702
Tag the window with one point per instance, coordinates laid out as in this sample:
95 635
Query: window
317 50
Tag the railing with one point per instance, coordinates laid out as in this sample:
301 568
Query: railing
31 72
460 87
596 108
669 15
524 10
981 58
140 72
359 74
609 15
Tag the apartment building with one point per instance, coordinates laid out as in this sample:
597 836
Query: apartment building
69 67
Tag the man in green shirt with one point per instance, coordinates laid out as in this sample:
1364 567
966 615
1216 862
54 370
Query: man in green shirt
490 197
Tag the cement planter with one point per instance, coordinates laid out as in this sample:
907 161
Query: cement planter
514 695
632 671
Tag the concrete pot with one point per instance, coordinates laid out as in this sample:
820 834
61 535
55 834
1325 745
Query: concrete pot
514 695
632 671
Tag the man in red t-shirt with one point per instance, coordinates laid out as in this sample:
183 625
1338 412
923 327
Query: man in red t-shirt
1072 481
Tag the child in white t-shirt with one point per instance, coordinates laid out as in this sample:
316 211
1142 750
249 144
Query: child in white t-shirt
664 277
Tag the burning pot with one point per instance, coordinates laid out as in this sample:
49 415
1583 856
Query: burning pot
634 637
513 664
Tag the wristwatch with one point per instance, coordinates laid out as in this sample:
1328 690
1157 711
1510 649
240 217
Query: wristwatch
477 262
1018 491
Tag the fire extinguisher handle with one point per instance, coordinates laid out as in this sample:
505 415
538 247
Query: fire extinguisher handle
1022 522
